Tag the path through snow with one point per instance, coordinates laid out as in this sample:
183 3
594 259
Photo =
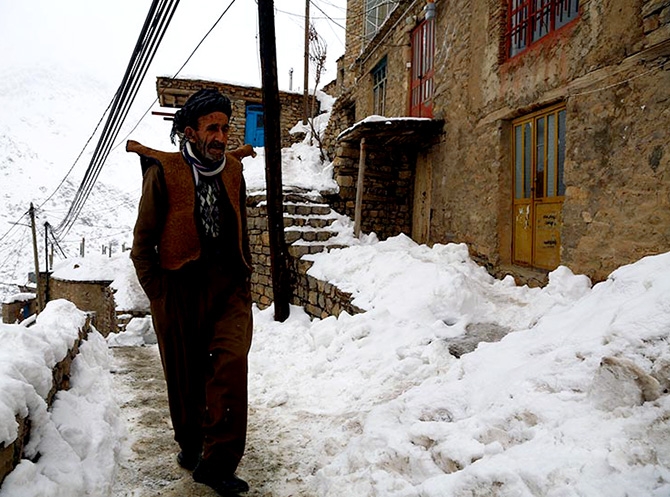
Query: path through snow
150 468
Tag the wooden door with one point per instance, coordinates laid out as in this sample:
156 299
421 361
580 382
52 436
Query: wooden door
254 130
538 149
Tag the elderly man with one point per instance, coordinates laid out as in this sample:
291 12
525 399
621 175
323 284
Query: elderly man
191 254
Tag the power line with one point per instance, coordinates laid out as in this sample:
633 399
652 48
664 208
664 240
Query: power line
80 153
14 225
327 16
156 23
176 74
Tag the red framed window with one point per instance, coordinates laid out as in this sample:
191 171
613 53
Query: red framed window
530 20
423 68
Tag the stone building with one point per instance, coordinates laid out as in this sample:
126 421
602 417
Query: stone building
539 131
247 121
96 298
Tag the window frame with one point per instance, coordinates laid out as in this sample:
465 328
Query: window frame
550 189
530 21
423 69
376 14
379 76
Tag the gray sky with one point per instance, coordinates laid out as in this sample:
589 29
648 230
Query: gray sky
97 37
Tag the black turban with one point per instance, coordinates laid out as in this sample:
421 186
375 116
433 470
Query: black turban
199 104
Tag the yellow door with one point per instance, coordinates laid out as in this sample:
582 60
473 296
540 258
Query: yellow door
538 155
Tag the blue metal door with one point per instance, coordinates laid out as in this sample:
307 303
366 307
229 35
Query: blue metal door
254 133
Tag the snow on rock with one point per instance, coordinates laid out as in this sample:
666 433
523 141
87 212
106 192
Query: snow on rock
20 297
139 331
78 438
27 357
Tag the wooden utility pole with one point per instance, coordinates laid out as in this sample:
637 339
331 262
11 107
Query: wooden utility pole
46 261
281 288
360 186
40 303
305 91
46 246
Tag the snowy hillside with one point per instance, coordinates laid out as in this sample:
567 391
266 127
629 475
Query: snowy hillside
47 118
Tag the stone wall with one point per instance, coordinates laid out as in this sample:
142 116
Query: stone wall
11 455
175 92
319 298
94 297
387 188
18 309
609 67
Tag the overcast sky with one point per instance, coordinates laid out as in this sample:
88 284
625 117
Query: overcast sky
97 37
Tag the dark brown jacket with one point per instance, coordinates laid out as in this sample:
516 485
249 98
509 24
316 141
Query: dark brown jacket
166 234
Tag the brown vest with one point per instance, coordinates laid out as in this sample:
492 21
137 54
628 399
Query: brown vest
179 242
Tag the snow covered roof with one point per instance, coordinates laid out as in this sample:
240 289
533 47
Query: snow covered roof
390 131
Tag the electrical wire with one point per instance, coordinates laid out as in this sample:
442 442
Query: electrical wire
22 240
156 23
97 126
176 74
143 55
14 225
327 16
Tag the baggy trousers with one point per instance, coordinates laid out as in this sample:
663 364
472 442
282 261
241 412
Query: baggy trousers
203 324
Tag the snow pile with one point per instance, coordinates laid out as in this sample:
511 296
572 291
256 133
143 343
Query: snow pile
570 402
75 444
139 331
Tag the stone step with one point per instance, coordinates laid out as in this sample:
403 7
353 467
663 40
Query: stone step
304 221
307 197
294 234
307 209
297 250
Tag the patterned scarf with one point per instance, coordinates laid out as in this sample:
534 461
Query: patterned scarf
207 190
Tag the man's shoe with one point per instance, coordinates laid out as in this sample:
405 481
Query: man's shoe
188 460
224 485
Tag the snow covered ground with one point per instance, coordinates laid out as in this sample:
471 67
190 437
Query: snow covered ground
571 402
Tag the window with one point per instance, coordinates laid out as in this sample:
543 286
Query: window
530 20
538 157
423 53
376 12
379 88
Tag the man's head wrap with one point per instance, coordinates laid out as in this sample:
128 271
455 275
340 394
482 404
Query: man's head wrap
199 104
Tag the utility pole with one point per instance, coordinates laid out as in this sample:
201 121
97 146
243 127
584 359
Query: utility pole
46 246
46 261
360 186
305 90
281 288
40 303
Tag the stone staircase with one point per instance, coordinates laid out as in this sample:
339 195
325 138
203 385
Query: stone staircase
308 224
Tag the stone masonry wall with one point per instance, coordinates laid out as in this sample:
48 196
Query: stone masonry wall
95 297
388 188
14 312
609 67
11 455
174 93
319 299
